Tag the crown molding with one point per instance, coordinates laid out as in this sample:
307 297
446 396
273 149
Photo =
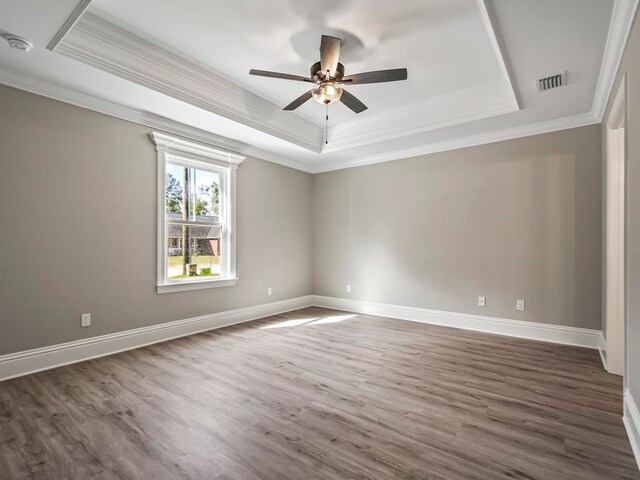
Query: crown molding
98 43
158 122
164 124
69 24
621 21
549 126
101 44
475 103
490 21
140 117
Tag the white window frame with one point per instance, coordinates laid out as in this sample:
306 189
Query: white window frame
196 155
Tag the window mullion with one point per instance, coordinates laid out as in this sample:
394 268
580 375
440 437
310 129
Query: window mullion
194 197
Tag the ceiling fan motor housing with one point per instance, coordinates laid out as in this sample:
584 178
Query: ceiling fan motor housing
318 75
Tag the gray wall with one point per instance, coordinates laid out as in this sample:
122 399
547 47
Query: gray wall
512 220
78 228
631 66
516 219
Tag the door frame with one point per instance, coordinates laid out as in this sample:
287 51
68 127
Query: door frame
616 256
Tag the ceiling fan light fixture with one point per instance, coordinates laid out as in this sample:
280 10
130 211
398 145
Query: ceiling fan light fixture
326 93
328 76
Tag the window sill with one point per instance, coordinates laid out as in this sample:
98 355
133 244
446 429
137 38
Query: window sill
195 285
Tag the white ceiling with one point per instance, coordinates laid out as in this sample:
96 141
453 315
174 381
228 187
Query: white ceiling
443 43
472 69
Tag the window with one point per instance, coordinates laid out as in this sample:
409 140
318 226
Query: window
196 215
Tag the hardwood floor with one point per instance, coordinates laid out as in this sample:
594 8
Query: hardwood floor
338 397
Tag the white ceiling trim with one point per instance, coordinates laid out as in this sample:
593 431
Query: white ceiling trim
69 24
103 45
475 103
549 126
499 48
73 97
171 126
119 41
621 21
108 47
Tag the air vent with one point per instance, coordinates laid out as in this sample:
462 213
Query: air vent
551 82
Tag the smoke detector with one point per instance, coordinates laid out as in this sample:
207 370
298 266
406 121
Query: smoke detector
551 82
17 42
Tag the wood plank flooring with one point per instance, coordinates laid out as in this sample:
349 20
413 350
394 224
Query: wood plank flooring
326 395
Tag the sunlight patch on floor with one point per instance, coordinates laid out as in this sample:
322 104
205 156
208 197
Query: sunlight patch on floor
289 323
332 319
308 321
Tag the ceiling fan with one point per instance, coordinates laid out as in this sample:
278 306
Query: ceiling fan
328 77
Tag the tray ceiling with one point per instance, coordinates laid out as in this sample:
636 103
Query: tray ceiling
444 44
472 69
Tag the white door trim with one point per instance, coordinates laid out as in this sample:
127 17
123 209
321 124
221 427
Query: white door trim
631 421
615 256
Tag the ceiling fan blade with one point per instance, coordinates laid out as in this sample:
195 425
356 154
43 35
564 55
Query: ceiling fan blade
329 54
352 102
284 76
379 76
298 101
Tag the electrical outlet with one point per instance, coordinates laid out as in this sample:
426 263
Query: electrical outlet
269 291
520 305
482 301
348 288
86 320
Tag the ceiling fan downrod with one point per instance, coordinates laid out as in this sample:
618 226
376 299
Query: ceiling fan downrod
326 124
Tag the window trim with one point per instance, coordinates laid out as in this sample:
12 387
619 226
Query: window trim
194 153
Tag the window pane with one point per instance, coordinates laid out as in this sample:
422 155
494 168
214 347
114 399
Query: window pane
207 193
174 195
200 259
192 191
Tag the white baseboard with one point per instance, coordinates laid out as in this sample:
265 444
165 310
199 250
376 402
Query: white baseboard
602 348
31 361
581 337
22 363
632 424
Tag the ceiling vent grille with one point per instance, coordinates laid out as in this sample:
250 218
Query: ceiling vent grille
551 82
